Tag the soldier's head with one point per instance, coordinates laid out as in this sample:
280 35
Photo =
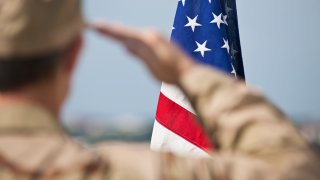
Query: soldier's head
39 44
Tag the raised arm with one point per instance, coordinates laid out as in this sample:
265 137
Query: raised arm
253 138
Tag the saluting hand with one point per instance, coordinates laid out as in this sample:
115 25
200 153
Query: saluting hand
166 62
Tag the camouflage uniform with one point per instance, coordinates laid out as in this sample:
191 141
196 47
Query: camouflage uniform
253 139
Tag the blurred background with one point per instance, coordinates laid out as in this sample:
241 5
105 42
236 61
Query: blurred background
114 97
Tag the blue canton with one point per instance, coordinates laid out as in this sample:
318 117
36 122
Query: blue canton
208 31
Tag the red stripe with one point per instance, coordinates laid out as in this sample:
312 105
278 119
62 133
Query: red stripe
182 122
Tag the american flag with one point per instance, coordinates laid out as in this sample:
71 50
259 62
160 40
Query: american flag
208 31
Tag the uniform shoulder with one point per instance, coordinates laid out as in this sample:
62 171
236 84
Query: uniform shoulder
48 156
131 160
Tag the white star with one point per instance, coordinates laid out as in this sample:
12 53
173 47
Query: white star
228 9
234 72
225 19
183 2
210 1
192 23
226 45
173 28
202 48
233 51
217 20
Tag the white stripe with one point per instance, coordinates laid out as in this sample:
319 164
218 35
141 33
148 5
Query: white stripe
165 140
176 95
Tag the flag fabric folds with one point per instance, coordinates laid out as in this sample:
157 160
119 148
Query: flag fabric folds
207 30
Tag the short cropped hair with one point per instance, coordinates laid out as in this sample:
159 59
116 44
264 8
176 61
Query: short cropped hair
17 72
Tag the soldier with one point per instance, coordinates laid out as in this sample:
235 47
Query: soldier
39 44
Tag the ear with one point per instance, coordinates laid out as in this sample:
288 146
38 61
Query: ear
73 55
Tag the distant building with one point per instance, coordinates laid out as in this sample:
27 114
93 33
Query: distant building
126 128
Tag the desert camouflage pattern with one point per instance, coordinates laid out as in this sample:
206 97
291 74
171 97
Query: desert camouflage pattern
29 27
253 140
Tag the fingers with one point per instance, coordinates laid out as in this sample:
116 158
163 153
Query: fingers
124 34
142 43
163 59
116 31
140 50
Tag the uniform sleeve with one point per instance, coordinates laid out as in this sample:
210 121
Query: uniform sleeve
236 117
253 139
250 134
137 162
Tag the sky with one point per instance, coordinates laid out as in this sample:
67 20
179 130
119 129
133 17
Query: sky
280 43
